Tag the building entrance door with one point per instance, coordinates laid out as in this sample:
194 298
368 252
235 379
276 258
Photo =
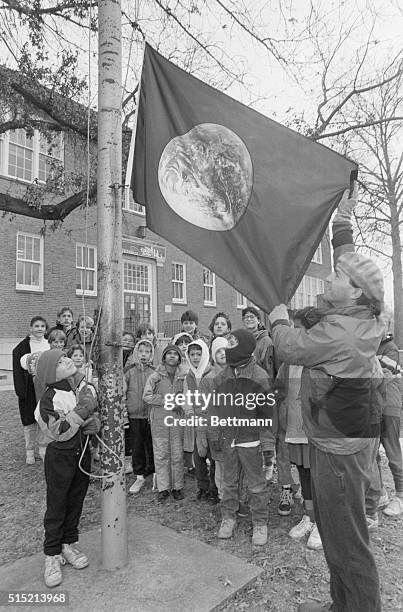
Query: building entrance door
136 295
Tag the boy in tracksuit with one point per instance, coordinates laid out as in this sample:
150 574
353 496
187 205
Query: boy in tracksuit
66 417
242 379
168 378
136 375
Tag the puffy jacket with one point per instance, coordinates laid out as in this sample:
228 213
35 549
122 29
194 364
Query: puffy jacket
158 385
341 385
135 376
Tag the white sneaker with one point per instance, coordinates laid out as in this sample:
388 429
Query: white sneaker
74 556
373 523
226 528
394 507
128 465
53 572
383 501
304 527
259 537
30 458
136 486
314 540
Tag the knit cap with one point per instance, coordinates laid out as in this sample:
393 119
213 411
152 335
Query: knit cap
217 344
171 347
364 273
46 366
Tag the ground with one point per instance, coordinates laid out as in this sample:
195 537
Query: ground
292 573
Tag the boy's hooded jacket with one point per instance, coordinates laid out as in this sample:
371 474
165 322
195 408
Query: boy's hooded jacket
61 412
135 376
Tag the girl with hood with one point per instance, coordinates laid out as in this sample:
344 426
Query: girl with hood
182 340
159 393
198 357
135 378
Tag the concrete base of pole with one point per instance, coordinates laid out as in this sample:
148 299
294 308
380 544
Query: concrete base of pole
166 571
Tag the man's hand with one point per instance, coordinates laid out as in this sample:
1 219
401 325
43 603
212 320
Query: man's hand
347 205
279 313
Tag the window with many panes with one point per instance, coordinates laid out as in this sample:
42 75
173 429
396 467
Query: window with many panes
27 157
209 288
135 277
86 270
29 264
129 203
317 256
178 283
307 292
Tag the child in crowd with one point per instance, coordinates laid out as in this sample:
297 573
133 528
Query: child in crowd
65 323
167 439
85 326
76 354
189 322
57 339
220 325
198 358
146 331
288 396
242 378
128 343
65 418
35 342
182 340
138 411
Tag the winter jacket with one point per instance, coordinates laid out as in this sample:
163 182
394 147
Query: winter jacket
246 379
388 355
23 380
57 416
192 381
207 432
136 376
341 388
264 351
156 387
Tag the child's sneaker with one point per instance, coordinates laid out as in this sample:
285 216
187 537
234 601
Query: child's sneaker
30 458
243 509
304 527
286 501
137 485
259 537
226 528
74 556
372 522
177 494
53 572
163 496
394 507
314 540
383 501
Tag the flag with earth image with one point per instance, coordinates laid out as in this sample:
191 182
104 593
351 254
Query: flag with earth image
245 196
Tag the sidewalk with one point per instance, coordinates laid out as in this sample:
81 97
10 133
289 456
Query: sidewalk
166 572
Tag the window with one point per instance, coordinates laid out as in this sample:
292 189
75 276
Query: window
130 204
29 157
86 270
317 256
307 292
209 289
241 301
178 283
135 277
29 268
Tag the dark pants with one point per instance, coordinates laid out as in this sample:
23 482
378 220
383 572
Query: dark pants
27 407
390 434
305 480
250 459
142 447
66 489
128 441
339 485
205 478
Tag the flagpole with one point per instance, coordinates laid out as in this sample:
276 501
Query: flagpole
109 224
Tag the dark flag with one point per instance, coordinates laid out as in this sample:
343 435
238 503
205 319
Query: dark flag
243 195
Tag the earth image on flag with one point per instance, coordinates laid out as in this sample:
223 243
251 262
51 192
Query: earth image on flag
206 176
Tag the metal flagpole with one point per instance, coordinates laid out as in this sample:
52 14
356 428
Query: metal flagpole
109 224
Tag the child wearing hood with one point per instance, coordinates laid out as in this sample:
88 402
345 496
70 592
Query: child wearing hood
198 357
66 416
182 340
135 376
159 392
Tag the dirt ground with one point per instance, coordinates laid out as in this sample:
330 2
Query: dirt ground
292 573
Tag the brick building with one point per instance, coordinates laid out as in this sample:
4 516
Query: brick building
43 269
